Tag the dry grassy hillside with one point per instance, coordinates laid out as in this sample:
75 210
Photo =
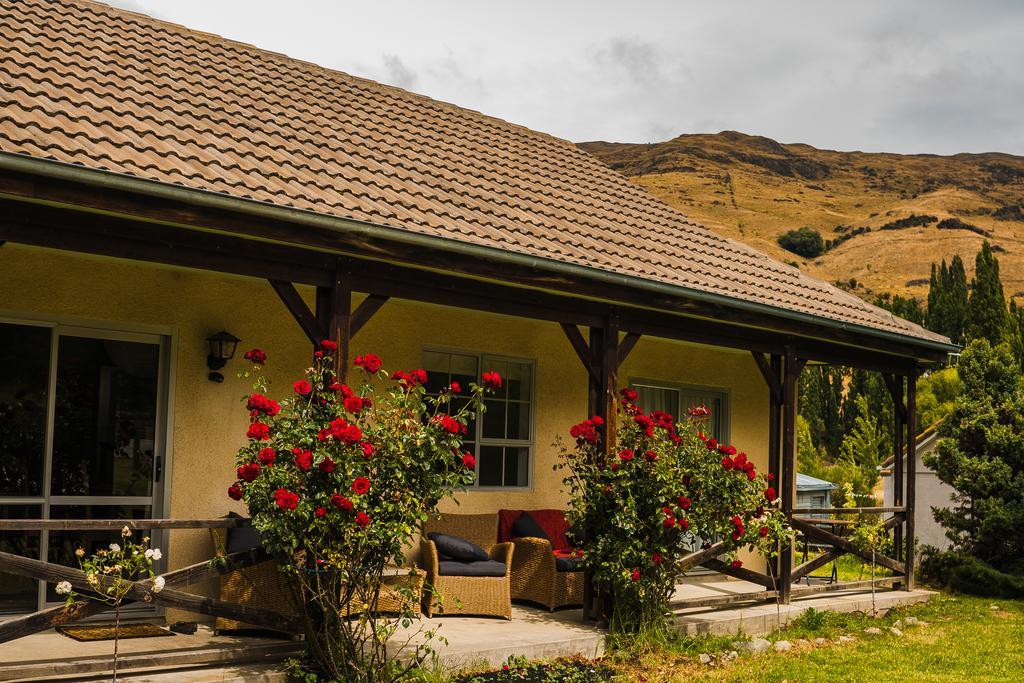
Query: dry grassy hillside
755 189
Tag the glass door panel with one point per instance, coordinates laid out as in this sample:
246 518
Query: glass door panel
18 593
25 359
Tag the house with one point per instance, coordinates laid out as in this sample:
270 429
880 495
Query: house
931 491
159 185
812 492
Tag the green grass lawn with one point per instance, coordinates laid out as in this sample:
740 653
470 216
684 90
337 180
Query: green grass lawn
964 640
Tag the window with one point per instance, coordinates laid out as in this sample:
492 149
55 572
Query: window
502 441
676 399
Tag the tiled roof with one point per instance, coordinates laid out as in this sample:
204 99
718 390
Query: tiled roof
88 84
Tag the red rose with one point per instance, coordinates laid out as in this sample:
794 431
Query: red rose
321 512
327 465
492 380
736 564
258 403
656 558
303 459
763 531
249 472
736 535
770 494
711 444
341 502
625 455
727 463
729 450
751 475
597 420
668 522
699 411
449 424
258 431
354 404
267 456
367 449
683 524
770 477
235 491
651 456
667 511
257 356
285 499
341 430
635 576
369 362
328 345
455 388
629 395
318 354
684 502
468 461
302 387
361 485
362 519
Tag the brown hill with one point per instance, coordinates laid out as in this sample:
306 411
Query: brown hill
755 189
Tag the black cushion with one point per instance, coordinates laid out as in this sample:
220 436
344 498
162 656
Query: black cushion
458 548
480 568
567 564
243 538
527 527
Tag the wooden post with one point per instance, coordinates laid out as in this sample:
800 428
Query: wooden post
899 439
334 311
774 435
787 476
609 358
911 478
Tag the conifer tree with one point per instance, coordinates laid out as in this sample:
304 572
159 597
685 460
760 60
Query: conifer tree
956 304
988 316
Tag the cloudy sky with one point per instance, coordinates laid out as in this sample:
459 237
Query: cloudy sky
909 76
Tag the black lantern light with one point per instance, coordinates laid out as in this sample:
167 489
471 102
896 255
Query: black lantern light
222 349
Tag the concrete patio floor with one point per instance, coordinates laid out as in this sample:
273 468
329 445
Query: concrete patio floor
533 633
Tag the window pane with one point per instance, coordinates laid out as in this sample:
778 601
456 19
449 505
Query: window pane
105 422
517 466
489 466
494 419
658 398
63 543
18 593
520 381
518 421
25 359
464 369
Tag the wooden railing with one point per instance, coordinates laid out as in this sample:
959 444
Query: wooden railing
170 596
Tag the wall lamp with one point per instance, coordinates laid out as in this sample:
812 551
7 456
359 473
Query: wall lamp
222 349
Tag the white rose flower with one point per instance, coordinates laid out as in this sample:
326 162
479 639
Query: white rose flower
157 554
115 548
158 584
80 552
126 531
63 588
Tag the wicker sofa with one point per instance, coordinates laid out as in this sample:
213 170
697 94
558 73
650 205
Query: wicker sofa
544 572
476 595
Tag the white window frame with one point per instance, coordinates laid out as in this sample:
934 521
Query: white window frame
478 423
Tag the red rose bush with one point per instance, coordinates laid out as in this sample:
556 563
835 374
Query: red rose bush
660 490
338 479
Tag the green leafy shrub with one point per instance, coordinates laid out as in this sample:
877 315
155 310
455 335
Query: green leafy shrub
805 242
967 574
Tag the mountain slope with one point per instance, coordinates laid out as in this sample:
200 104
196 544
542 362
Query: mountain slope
755 189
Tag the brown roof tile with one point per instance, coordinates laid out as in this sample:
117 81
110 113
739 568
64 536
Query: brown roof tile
88 84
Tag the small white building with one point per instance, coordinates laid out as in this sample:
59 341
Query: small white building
812 492
931 492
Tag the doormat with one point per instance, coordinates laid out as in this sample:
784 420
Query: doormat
106 631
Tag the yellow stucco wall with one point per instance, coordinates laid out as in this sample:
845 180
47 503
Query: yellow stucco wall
208 419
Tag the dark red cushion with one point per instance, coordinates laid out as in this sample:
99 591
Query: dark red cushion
506 520
554 524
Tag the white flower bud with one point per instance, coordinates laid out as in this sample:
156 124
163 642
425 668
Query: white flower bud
63 588
115 548
158 584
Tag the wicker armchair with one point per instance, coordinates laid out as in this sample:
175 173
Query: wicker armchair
476 595
536 579
260 585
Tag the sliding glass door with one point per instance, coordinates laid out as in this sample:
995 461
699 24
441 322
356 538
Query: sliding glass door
82 420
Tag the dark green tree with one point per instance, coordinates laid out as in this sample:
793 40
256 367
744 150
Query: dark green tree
988 316
821 394
981 455
956 304
805 242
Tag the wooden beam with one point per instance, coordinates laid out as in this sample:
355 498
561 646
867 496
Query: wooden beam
609 360
911 478
722 600
583 351
770 378
366 309
18 627
626 345
806 568
896 393
300 311
845 586
339 328
699 557
741 573
111 524
169 597
787 468
839 511
841 543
